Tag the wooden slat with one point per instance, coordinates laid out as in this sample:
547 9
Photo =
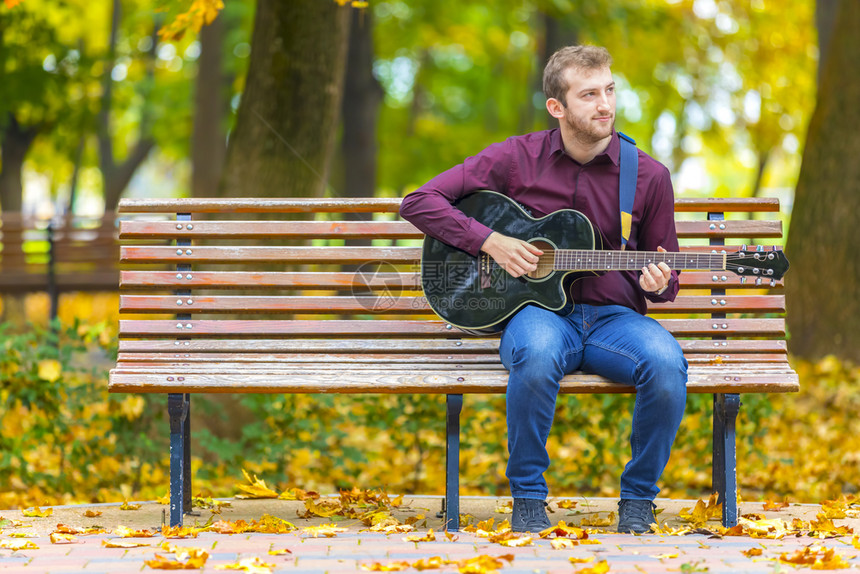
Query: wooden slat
732 228
179 358
382 328
408 346
701 380
259 205
345 280
380 205
254 254
140 229
401 304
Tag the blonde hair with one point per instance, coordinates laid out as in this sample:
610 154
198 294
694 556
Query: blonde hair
577 57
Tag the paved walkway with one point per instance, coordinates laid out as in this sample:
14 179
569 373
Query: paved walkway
356 549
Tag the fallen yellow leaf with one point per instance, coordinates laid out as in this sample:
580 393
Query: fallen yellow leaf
191 559
752 552
575 560
390 567
129 506
255 488
600 568
122 544
248 565
596 520
563 543
18 545
38 512
126 532
428 537
92 513
327 530
57 538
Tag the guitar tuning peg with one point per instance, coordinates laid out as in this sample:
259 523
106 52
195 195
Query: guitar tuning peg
773 247
760 248
743 280
758 281
773 282
744 247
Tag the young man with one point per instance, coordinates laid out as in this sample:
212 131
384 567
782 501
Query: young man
576 167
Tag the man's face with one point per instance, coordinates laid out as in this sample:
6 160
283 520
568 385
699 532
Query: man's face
590 110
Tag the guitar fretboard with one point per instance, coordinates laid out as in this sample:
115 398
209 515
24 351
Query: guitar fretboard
585 260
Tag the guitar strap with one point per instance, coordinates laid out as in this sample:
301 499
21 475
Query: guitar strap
629 171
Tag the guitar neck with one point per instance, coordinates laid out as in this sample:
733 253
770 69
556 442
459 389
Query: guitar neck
585 260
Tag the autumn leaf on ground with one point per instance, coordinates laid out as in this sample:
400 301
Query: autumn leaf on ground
191 559
505 507
703 512
255 488
774 505
325 508
517 541
129 506
327 530
280 552
38 512
666 530
58 538
18 545
563 543
248 565
392 528
601 567
390 567
178 532
823 527
483 564
432 563
23 535
209 503
576 560
123 544
92 513
562 530
269 524
834 508
567 504
428 537
126 532
752 552
596 520
665 556
66 529
824 559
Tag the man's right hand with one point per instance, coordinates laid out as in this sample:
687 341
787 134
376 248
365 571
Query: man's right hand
515 256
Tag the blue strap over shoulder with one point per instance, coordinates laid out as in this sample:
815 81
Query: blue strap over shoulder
629 168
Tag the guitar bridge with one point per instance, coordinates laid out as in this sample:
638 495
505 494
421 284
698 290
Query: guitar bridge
486 264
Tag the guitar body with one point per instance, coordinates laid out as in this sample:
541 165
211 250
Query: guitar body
476 295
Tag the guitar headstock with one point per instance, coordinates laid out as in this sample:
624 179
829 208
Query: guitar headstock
758 263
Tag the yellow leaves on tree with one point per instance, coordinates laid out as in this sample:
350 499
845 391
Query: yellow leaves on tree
200 12
12 3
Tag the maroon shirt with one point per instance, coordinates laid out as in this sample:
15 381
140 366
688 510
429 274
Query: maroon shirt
535 171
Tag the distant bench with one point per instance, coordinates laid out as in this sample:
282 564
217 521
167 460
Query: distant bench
57 256
194 261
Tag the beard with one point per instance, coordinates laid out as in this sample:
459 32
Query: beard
586 130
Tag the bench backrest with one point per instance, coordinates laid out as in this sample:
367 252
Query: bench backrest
311 280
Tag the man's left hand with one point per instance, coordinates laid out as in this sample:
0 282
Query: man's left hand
655 278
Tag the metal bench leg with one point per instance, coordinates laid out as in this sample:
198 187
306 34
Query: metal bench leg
726 407
177 409
452 463
186 459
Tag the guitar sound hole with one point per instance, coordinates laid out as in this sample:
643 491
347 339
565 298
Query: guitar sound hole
546 262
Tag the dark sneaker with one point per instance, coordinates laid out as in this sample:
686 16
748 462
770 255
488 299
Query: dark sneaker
529 515
635 516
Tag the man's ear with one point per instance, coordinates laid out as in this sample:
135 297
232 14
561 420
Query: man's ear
555 108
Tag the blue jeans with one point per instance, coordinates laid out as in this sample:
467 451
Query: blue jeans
539 347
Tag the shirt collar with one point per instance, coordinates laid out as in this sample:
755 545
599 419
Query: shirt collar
612 151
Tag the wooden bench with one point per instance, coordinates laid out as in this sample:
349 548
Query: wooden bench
310 326
57 256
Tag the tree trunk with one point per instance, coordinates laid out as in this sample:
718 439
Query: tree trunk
209 141
15 142
825 21
363 95
822 288
285 130
558 33
116 176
